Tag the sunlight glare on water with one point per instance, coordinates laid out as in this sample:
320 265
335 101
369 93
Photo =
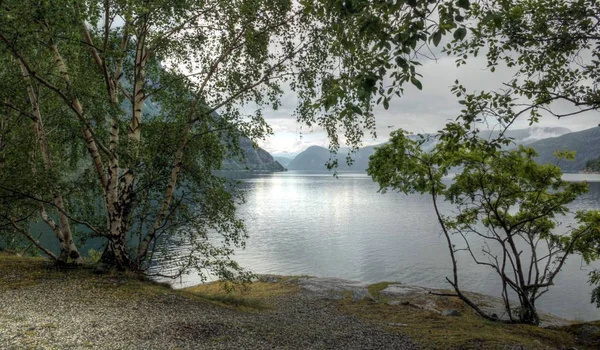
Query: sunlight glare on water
314 224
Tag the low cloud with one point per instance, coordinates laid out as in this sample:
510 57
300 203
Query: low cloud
425 111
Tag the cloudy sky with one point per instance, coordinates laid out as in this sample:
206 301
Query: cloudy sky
416 111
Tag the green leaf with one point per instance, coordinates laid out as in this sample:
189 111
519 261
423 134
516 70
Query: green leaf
401 62
460 33
437 37
465 4
416 83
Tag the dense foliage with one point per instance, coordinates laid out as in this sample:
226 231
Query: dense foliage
593 165
507 211
127 107
114 114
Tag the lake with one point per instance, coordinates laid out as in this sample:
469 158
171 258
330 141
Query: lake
314 224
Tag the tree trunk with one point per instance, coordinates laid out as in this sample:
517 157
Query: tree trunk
73 252
3 128
528 313
68 250
116 254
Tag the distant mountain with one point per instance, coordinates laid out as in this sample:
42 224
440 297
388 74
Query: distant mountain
283 160
528 135
519 136
290 155
585 143
254 159
315 157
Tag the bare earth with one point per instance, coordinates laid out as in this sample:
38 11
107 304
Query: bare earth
62 313
42 307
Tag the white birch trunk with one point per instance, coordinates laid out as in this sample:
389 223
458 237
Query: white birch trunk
63 233
87 133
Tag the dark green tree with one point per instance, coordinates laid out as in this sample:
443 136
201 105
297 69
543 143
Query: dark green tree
507 209
551 47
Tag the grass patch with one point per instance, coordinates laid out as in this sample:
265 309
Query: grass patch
234 300
375 291
587 334
431 330
18 272
252 296
21 272
468 331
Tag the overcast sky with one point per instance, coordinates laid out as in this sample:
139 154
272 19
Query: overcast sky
416 111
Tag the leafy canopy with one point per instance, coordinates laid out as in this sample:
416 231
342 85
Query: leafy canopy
507 210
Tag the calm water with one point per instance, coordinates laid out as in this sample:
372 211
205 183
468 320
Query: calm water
314 224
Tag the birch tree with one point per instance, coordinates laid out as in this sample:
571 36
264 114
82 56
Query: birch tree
25 149
152 90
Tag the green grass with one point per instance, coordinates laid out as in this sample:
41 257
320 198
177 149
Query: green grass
251 296
375 291
431 330
468 331
19 272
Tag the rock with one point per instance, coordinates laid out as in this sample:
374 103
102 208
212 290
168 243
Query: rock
360 294
405 303
398 302
325 285
398 324
403 290
271 279
100 268
426 305
450 312
335 288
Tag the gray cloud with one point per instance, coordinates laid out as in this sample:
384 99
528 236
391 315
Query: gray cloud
425 111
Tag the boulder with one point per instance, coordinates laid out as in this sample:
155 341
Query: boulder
361 294
450 312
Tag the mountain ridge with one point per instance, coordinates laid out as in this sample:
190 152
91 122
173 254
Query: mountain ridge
545 140
585 143
252 159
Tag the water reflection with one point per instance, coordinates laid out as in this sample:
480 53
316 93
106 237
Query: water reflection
314 224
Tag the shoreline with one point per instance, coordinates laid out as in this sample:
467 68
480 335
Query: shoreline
42 306
394 293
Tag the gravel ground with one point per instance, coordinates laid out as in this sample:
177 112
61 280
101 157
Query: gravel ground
66 314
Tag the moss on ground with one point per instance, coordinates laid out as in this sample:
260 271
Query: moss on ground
251 296
430 329
375 291
467 331
19 272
